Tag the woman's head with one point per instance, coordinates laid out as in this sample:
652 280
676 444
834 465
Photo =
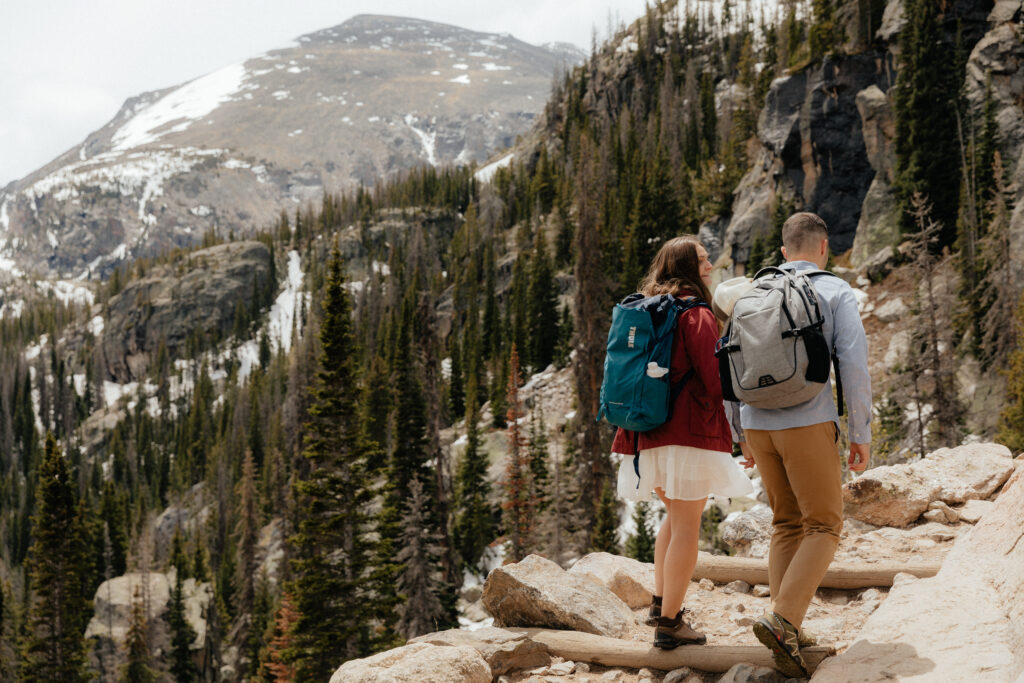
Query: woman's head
681 263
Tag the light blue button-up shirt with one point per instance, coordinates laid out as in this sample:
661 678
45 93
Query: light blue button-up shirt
844 332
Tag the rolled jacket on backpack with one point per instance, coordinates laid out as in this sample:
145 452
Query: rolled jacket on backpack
698 416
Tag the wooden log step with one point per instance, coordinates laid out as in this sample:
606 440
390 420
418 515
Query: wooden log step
587 647
723 569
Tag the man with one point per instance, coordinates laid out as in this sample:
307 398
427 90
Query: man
795 451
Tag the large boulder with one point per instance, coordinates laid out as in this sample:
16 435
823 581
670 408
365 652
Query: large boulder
964 624
896 495
503 650
112 605
748 533
415 663
537 592
631 580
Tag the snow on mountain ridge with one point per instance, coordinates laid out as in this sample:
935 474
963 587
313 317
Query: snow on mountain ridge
191 102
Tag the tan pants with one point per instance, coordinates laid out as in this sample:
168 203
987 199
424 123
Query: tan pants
802 474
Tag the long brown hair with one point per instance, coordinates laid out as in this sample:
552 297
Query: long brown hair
676 267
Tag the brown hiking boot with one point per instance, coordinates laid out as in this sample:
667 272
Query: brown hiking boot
671 633
654 612
782 638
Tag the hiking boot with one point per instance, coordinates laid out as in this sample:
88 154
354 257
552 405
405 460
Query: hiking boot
671 633
782 638
655 612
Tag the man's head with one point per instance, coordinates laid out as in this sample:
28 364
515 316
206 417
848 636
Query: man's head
805 238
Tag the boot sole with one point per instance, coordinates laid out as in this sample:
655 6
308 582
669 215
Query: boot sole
784 661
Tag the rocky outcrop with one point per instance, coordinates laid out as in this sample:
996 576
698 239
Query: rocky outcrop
537 592
812 149
503 650
896 495
113 605
964 624
632 581
415 663
878 227
748 533
169 308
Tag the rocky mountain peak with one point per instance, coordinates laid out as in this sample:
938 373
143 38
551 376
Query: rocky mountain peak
229 150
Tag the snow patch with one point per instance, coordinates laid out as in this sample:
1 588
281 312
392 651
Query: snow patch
184 105
485 174
428 140
463 79
461 67
67 292
491 66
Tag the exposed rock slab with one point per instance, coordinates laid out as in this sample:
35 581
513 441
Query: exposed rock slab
632 581
964 624
537 592
973 510
896 495
415 663
503 650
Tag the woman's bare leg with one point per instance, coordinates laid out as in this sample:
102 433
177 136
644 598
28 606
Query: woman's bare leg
660 546
681 554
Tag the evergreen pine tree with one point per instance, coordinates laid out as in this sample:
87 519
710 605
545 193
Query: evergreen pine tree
137 669
925 104
420 581
473 528
330 547
518 505
640 546
179 560
605 537
183 667
542 330
246 533
408 461
537 446
53 648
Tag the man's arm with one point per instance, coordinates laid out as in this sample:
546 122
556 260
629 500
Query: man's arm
851 347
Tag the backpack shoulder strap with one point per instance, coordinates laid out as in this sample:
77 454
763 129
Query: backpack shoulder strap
771 270
811 273
835 357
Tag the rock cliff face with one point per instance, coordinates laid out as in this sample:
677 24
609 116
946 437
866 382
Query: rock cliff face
813 150
826 131
168 307
340 107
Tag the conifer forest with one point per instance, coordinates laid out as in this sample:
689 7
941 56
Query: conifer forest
379 439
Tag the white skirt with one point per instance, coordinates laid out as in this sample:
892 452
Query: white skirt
683 473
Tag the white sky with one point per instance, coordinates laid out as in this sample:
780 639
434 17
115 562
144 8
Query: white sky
66 66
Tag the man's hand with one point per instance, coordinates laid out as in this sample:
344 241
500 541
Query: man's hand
748 455
860 453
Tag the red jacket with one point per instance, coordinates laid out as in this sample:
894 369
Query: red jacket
698 416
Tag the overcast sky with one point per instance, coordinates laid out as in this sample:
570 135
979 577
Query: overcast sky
66 66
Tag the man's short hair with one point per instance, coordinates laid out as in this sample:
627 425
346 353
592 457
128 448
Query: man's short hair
802 232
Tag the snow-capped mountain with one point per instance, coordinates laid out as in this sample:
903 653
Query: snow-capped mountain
231 149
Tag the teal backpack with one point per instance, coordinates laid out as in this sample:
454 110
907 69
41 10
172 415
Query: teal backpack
636 393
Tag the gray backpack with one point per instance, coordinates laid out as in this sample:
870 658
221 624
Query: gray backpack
774 353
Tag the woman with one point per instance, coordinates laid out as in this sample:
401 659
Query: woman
688 457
